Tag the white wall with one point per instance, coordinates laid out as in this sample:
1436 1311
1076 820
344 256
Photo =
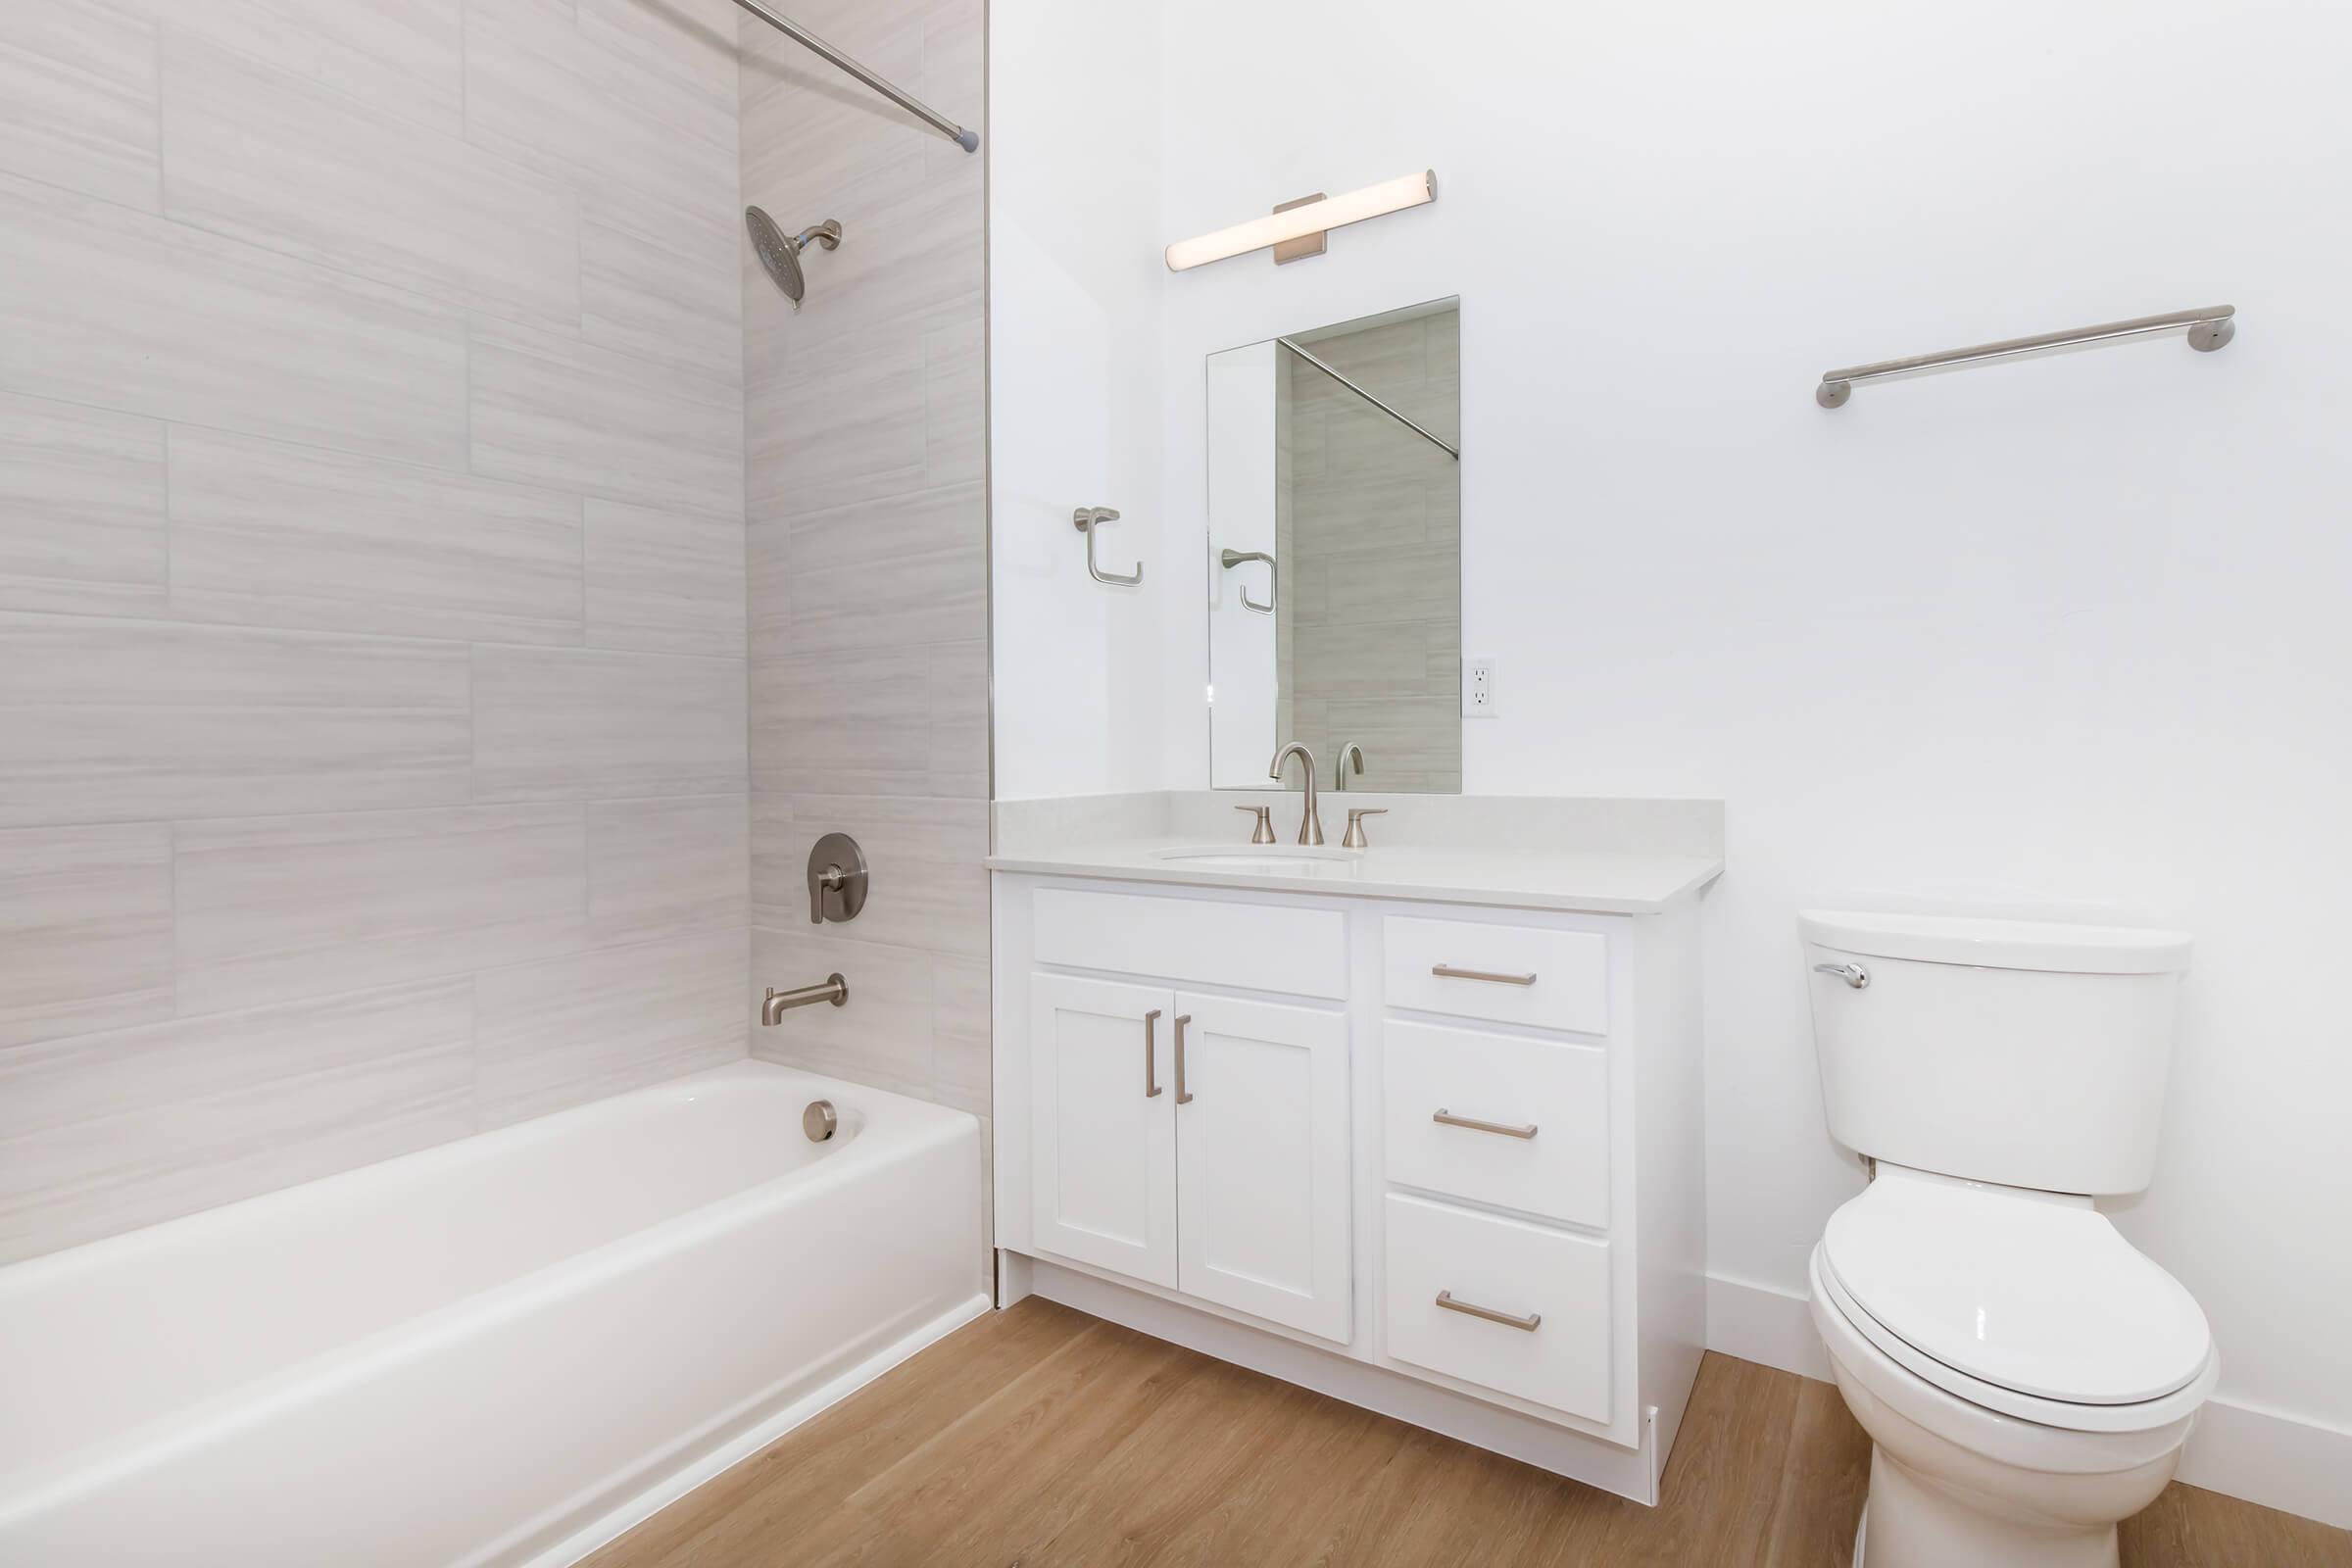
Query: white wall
1074 287
2067 634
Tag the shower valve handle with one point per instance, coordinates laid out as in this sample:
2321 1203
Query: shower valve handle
837 879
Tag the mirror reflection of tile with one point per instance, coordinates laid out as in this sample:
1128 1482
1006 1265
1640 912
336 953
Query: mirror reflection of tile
1365 518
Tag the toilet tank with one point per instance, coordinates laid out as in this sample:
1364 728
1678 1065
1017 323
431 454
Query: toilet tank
2013 1052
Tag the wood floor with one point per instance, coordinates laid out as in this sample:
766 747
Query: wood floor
1041 1437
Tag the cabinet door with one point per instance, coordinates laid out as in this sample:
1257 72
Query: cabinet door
1262 1172
1101 1143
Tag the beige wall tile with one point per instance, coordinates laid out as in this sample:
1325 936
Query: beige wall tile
550 409
270 534
108 1132
430 353
82 509
110 721
657 868
673 298
583 724
960 1033
403 59
558 1034
833 424
77 99
86 929
595 107
257 154
911 568
691 42
665 581
958 681
274 908
955 402
113 308
801 739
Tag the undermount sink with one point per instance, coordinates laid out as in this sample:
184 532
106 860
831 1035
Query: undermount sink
1300 861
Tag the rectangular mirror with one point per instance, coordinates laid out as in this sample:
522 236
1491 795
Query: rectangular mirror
1335 535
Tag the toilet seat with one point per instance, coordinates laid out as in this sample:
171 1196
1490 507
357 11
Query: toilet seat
2026 1304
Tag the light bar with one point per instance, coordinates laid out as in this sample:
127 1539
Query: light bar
1306 221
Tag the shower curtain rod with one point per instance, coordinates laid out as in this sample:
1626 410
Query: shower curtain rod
968 140
1417 428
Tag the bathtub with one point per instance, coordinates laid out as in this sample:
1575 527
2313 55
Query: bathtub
503 1350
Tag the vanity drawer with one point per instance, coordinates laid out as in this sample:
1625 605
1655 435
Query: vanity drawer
1552 1288
1261 946
1560 1170
1508 973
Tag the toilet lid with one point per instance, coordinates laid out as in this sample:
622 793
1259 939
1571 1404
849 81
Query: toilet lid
2017 1291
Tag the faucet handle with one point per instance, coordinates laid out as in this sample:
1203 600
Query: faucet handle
1356 838
1264 832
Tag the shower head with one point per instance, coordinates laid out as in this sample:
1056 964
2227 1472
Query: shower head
780 252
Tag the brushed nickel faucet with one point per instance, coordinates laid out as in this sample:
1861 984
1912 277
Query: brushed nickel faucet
1339 775
1310 826
835 989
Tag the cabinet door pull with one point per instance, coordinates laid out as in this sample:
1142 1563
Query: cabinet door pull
1183 1096
1449 1120
1151 1081
1527 1324
1446 971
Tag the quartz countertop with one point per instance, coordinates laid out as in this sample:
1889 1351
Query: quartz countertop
1613 881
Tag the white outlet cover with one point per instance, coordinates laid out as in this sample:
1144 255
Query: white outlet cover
1478 689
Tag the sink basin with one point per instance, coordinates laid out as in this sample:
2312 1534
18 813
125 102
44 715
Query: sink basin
1302 861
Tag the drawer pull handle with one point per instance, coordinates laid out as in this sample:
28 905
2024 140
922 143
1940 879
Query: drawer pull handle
1152 1090
1183 1096
1449 1120
1446 971
1527 1324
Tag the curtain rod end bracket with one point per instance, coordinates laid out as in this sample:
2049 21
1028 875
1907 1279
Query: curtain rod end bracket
968 140
2207 336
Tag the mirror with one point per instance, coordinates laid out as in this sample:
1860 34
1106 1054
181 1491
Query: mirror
1334 552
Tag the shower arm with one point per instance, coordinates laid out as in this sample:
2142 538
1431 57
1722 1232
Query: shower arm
968 140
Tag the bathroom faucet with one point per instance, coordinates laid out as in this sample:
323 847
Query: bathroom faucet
1339 772
1310 826
833 989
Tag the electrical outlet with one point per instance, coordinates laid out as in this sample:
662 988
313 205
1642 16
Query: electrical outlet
1478 689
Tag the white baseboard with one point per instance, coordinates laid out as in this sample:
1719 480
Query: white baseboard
1772 1328
2266 1456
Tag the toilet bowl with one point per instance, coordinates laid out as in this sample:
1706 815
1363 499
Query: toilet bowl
2081 1367
2027 1378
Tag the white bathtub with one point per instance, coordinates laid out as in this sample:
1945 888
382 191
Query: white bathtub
503 1350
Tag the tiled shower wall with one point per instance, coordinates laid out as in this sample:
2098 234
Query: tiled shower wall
869 546
372 681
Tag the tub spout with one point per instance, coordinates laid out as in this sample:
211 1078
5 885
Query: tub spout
835 989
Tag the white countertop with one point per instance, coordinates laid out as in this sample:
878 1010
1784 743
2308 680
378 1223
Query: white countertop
1591 881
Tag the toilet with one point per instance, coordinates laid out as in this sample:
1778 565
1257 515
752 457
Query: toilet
2027 1377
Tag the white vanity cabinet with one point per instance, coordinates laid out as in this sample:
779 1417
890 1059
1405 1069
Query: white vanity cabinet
1195 1142
1437 1159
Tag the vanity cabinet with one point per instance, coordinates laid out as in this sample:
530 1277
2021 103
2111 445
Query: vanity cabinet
1194 1142
1441 1159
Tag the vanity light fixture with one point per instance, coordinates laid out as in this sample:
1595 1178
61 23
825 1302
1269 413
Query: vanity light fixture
1297 229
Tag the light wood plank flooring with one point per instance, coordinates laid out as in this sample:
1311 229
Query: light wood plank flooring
1041 1437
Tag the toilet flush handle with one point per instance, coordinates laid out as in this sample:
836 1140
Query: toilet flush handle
1853 974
